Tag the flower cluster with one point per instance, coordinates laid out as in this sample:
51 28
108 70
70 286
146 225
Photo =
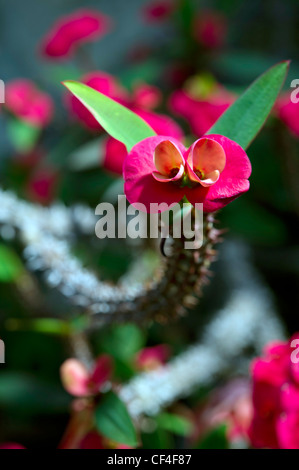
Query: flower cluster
276 398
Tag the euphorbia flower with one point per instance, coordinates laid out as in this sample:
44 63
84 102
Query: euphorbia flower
158 10
72 30
276 398
210 28
201 109
288 112
11 446
80 382
27 102
213 171
152 357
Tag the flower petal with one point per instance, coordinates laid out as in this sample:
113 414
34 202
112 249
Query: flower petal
167 158
140 186
164 179
207 155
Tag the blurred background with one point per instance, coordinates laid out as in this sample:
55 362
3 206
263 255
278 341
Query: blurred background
179 64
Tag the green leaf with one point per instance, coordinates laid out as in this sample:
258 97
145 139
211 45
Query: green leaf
123 341
113 421
23 135
244 118
118 121
215 439
174 423
10 265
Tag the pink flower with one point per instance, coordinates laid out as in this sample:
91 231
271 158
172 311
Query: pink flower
210 29
115 152
152 357
146 96
201 111
104 83
80 382
41 185
25 101
230 404
276 398
158 10
213 171
288 112
72 30
11 446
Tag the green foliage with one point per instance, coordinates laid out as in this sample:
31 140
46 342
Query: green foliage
215 439
113 421
118 121
174 423
10 265
244 118
23 135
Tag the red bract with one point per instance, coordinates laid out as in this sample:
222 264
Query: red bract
152 357
41 185
80 382
27 102
72 30
210 29
146 96
11 446
213 171
158 10
104 83
115 152
202 111
276 398
288 112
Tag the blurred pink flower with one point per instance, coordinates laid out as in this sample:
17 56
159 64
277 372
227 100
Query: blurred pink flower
11 446
72 30
213 171
203 111
27 102
152 357
146 96
276 398
80 382
288 112
158 10
115 152
230 405
41 185
210 29
104 83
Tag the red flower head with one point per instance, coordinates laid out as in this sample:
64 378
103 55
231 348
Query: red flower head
210 29
288 112
72 30
104 83
201 108
78 381
25 101
152 357
116 152
213 171
276 398
158 10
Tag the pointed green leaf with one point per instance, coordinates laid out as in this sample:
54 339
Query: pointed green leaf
113 420
117 120
244 118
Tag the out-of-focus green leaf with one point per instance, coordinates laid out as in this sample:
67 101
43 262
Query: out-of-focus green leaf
25 394
10 265
41 325
123 341
87 156
174 423
244 118
113 420
118 121
23 135
215 439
